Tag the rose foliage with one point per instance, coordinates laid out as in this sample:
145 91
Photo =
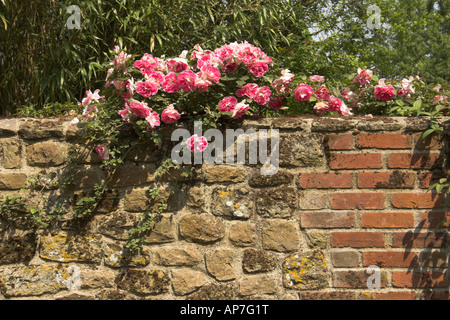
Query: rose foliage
234 81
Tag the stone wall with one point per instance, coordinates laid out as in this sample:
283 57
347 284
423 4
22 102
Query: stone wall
350 193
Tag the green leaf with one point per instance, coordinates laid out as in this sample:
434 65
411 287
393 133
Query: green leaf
427 133
418 104
400 103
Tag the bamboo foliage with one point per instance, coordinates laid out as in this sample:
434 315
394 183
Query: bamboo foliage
44 62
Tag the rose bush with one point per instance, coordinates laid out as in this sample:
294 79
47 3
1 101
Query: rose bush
237 80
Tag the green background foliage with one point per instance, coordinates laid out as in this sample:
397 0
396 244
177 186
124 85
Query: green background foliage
43 63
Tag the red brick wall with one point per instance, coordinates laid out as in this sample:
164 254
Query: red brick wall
350 194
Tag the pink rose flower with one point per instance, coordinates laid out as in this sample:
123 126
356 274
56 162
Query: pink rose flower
321 107
89 112
210 73
202 85
196 143
344 110
303 92
230 67
124 114
248 90
384 92
227 104
224 53
276 103
258 68
334 104
239 110
147 64
91 97
262 95
74 121
323 93
140 109
186 80
199 52
177 65
170 83
348 95
119 85
170 115
209 59
153 121
102 152
316 78
406 89
147 88
156 77
364 76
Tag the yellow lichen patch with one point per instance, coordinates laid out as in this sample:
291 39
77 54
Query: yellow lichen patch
305 271
225 193
63 248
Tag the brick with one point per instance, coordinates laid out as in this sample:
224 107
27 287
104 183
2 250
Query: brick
326 220
357 239
313 200
340 141
326 180
408 279
355 279
434 220
435 295
390 259
417 200
432 142
414 161
427 179
386 180
419 240
387 220
435 259
345 259
391 295
383 141
339 161
357 200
